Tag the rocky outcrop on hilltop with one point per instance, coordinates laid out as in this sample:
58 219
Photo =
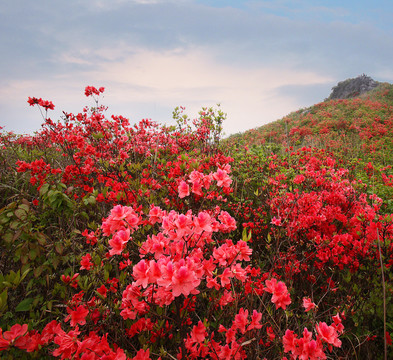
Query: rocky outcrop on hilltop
352 87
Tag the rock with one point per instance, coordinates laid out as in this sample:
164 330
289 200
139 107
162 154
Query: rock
351 88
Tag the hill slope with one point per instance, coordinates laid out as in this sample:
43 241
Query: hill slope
357 132
362 123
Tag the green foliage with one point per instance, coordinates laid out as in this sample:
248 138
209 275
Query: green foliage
41 225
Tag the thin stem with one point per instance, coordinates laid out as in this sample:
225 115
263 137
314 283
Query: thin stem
384 297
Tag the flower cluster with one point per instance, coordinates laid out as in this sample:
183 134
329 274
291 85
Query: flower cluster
198 180
308 348
280 293
91 90
47 105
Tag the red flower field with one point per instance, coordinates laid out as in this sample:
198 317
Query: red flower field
147 241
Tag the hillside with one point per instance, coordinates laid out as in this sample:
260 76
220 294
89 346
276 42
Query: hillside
358 132
362 123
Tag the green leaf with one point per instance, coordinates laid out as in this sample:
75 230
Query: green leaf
55 262
98 135
16 279
41 238
269 238
44 189
49 305
62 186
106 274
244 235
24 274
8 237
24 305
91 200
24 207
33 253
59 248
7 283
15 225
24 259
38 271
21 214
3 301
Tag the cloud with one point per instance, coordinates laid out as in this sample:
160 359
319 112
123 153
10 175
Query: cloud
105 5
259 63
194 78
158 81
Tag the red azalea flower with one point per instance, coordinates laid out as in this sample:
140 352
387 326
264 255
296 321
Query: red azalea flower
77 316
4 344
102 290
86 263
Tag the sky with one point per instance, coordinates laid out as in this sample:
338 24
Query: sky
260 60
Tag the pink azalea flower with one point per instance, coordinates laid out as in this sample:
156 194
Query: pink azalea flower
102 290
289 341
67 342
197 188
276 221
305 347
241 320
281 297
225 277
184 281
212 283
183 223
328 334
222 178
239 272
140 273
184 189
155 214
244 251
167 271
12 336
119 241
202 223
308 304
196 176
226 298
228 223
337 323
255 320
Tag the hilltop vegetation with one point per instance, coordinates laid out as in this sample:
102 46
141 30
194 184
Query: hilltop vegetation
144 241
357 132
361 122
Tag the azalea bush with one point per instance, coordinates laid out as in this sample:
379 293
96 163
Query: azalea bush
146 241
313 226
